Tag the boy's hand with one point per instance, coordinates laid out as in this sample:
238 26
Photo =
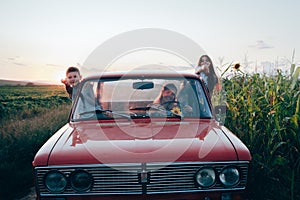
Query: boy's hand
64 81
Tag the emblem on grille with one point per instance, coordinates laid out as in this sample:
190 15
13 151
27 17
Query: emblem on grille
144 175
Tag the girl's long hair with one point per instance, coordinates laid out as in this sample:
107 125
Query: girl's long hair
212 79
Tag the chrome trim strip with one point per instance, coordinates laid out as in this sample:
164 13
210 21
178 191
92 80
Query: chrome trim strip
139 164
128 193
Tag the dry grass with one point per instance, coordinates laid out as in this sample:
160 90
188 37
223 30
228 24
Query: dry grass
21 137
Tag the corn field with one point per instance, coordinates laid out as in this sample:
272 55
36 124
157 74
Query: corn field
264 112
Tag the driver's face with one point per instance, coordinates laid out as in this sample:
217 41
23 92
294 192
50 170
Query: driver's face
168 95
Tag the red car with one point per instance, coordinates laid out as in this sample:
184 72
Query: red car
142 135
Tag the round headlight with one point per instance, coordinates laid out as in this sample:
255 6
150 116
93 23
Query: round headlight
55 181
81 180
206 177
229 176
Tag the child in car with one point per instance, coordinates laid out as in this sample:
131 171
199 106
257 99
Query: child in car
72 81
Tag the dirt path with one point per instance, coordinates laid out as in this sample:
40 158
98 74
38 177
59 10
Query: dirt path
30 196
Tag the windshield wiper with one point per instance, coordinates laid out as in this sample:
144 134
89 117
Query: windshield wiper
100 111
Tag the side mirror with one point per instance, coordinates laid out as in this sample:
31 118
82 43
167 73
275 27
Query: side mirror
220 113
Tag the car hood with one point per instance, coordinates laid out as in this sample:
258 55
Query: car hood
144 141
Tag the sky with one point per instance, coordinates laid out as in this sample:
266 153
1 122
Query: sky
40 39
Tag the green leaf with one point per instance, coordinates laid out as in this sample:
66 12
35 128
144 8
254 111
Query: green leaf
295 78
280 161
226 69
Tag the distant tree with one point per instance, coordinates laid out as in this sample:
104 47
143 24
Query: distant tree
30 84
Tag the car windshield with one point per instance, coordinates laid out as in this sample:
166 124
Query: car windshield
134 98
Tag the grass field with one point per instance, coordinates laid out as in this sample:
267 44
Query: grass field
22 102
29 116
263 111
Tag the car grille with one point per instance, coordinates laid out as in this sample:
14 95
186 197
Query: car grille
149 178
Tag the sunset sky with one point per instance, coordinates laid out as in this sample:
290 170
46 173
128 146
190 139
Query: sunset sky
40 39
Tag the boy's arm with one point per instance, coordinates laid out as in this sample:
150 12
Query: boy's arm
69 89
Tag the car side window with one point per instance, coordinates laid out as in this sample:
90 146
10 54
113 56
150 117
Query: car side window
86 99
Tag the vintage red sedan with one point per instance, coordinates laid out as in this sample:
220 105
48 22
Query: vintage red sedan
142 135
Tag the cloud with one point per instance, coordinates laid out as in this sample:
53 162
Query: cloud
20 64
54 65
15 60
260 44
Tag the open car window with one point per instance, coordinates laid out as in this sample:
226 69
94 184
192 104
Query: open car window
135 98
